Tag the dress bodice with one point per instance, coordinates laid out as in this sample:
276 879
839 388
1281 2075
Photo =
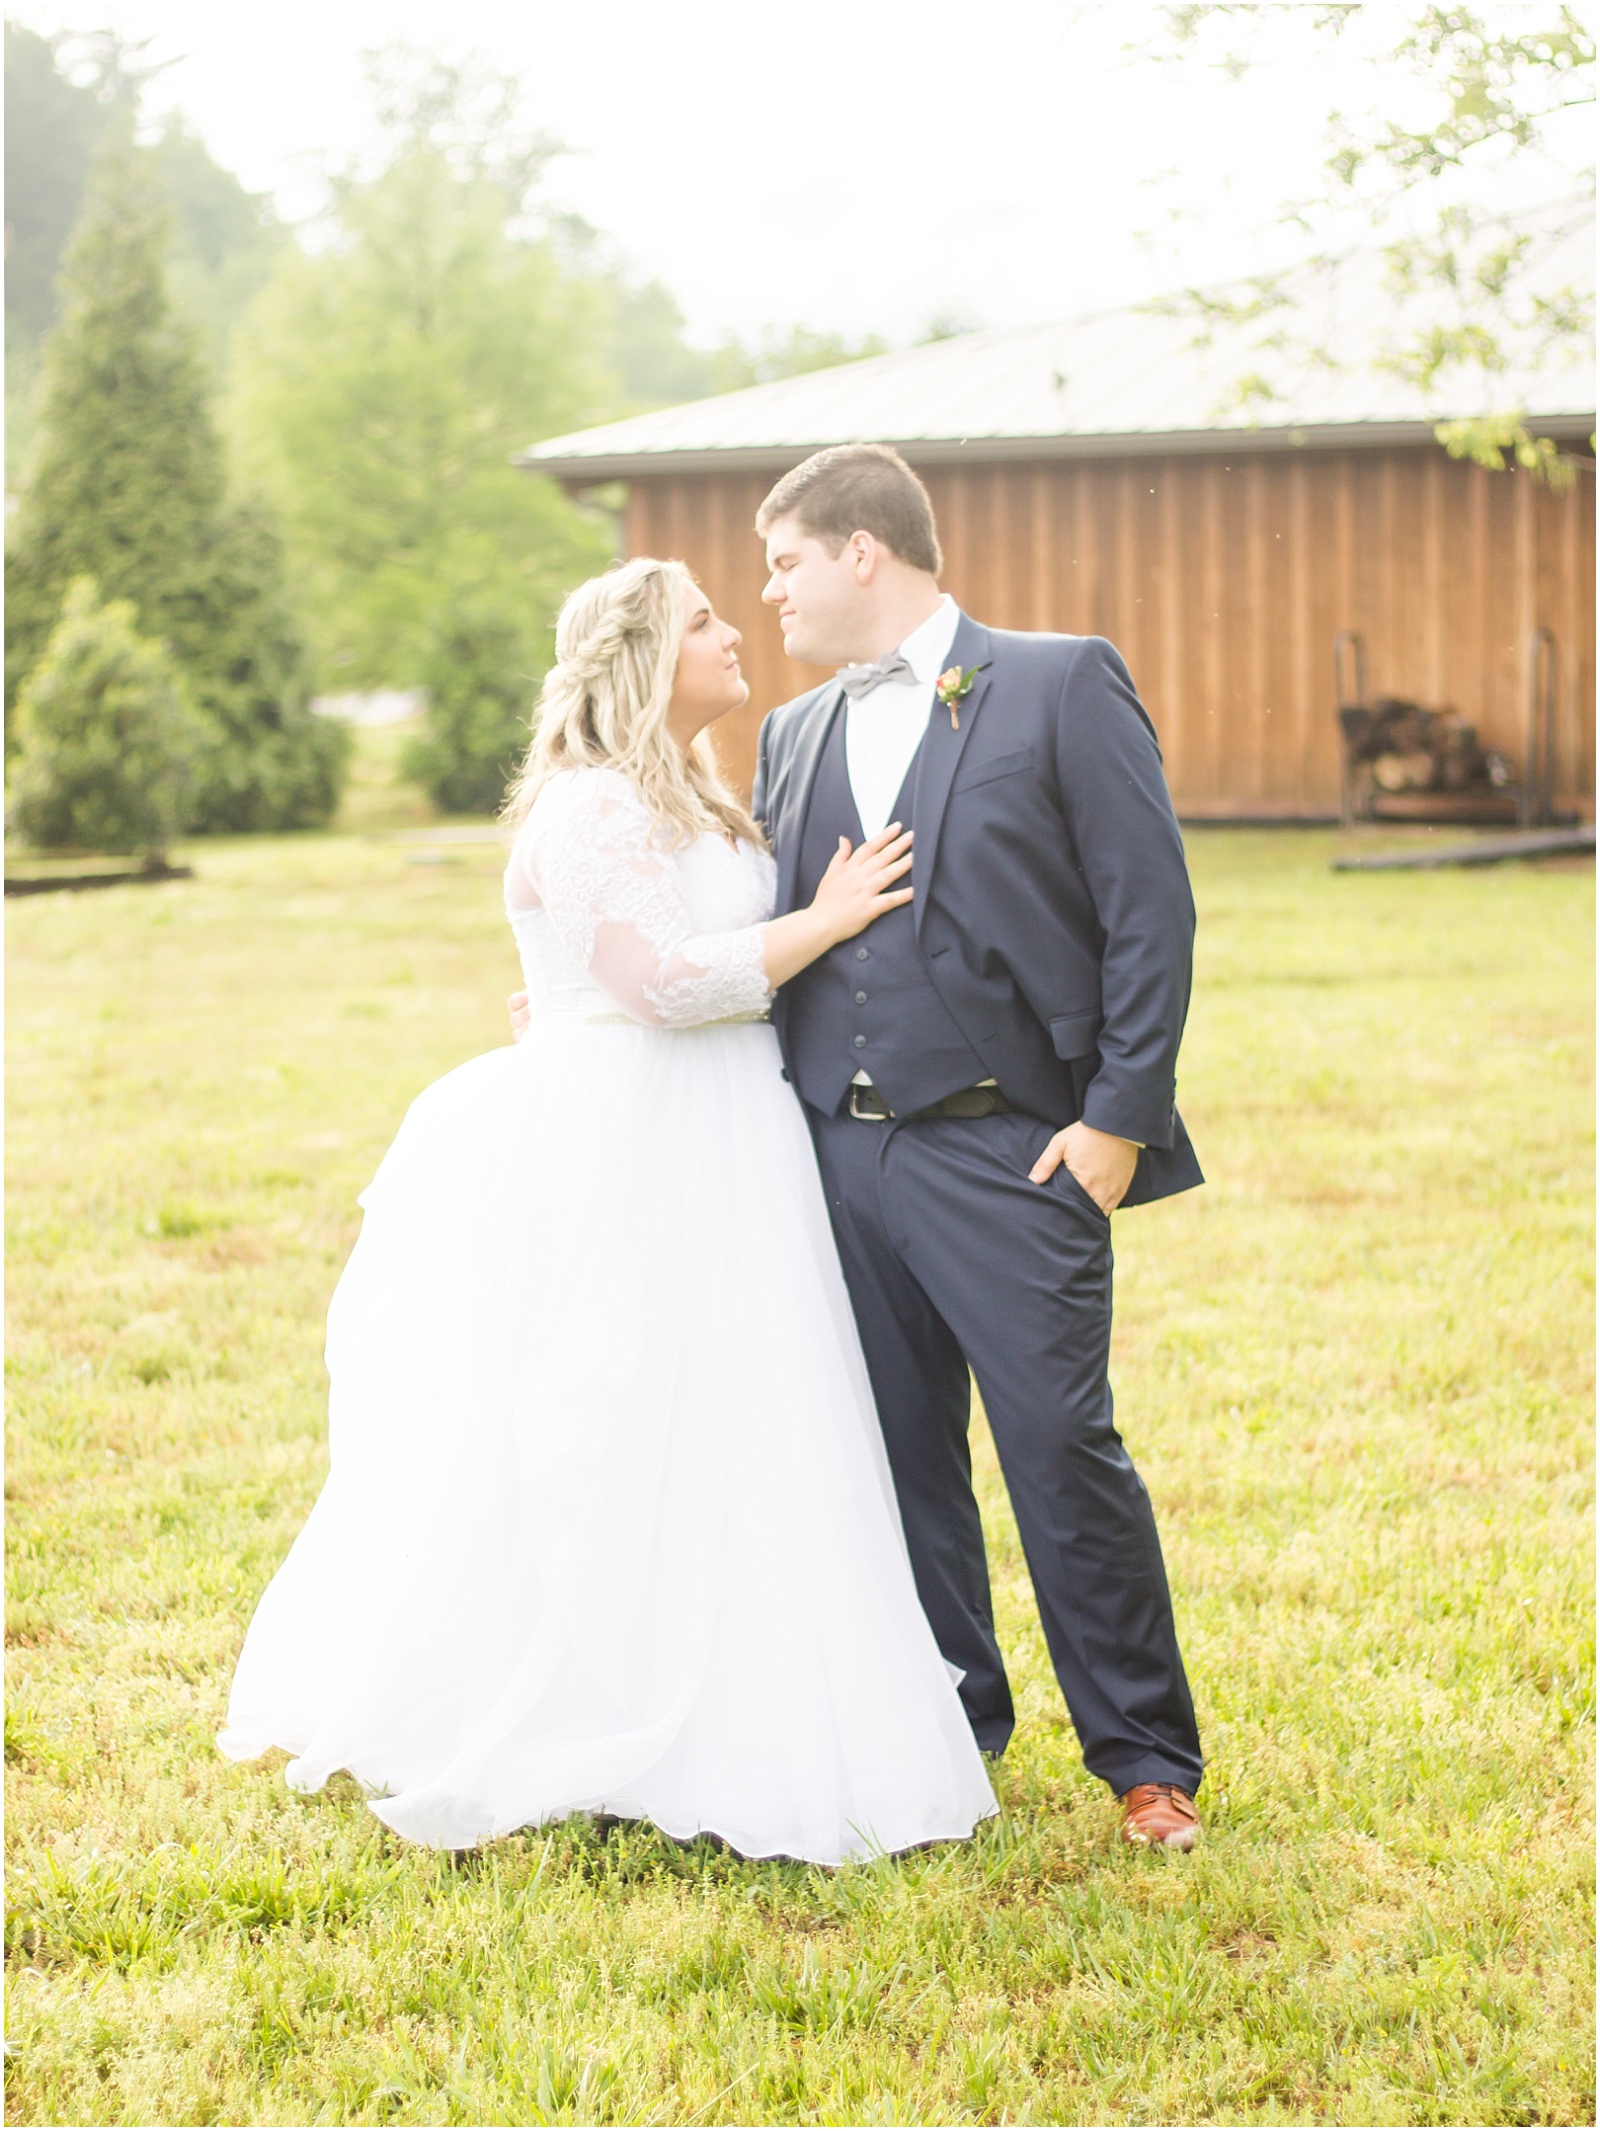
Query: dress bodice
615 924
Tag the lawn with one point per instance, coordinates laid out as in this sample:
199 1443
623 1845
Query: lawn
1355 1371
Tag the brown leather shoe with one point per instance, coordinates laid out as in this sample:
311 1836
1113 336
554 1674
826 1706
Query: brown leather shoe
1160 1817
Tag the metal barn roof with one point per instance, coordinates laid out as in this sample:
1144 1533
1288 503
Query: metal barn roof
1140 378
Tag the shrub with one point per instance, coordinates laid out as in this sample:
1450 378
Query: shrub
477 670
110 740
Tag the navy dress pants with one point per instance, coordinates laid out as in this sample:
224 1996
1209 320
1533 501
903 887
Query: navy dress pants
953 1257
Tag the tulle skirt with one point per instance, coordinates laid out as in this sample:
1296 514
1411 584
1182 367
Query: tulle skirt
609 1525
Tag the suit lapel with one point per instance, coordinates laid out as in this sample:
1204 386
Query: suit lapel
790 827
941 756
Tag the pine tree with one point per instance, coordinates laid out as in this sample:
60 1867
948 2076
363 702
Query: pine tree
128 488
128 481
110 742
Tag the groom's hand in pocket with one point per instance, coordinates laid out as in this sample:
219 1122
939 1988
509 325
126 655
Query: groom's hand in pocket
517 1008
1102 1163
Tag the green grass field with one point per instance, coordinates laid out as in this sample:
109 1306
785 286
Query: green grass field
1354 1370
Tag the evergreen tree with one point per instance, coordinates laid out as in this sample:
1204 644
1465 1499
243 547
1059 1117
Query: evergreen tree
62 93
273 763
110 742
128 488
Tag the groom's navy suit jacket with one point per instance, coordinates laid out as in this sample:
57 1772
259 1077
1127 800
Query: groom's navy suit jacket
1052 908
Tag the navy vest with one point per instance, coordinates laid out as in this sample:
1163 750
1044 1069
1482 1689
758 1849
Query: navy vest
868 1005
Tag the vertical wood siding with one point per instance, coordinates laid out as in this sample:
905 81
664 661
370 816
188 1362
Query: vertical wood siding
1222 580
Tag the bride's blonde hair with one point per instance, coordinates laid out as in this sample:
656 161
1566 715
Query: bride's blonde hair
604 704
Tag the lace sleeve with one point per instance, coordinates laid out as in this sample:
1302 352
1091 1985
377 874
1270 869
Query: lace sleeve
613 894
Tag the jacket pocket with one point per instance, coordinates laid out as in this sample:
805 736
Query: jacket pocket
1075 1035
998 766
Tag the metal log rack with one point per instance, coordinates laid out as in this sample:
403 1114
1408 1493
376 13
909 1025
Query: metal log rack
1526 803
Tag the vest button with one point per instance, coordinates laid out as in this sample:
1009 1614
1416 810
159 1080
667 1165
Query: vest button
861 1043
861 998
861 954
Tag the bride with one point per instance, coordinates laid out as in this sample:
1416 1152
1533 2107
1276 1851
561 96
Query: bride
609 1526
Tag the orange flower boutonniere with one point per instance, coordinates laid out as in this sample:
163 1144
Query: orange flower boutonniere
953 688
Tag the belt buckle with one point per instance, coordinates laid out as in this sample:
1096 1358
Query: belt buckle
867 1117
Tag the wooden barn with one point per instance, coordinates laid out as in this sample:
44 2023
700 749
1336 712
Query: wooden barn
1085 481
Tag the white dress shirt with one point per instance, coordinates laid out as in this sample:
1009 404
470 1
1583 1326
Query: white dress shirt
884 727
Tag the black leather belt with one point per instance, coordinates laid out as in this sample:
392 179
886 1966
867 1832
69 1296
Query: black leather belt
867 1104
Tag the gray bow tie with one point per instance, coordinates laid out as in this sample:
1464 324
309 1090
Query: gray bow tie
860 680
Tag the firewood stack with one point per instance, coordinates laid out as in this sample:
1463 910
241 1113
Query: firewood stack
1396 752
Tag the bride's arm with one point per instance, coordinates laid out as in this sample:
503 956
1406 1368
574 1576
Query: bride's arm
616 902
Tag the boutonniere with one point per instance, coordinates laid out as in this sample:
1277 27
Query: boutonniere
954 687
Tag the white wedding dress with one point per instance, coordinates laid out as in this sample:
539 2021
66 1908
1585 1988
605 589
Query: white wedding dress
609 1526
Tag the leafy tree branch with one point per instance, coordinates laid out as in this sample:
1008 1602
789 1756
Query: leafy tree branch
1493 97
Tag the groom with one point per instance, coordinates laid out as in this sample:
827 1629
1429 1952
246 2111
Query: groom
987 1074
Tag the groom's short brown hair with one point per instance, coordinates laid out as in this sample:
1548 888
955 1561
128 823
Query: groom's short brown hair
858 488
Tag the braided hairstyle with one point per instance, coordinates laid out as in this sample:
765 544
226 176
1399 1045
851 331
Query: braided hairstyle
604 704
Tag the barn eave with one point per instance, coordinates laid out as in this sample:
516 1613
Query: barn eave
578 470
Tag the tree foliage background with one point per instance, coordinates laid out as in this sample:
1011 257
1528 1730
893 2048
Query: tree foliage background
61 95
129 488
373 373
350 520
382 383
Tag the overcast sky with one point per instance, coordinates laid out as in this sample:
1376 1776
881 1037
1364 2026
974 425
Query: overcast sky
855 165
